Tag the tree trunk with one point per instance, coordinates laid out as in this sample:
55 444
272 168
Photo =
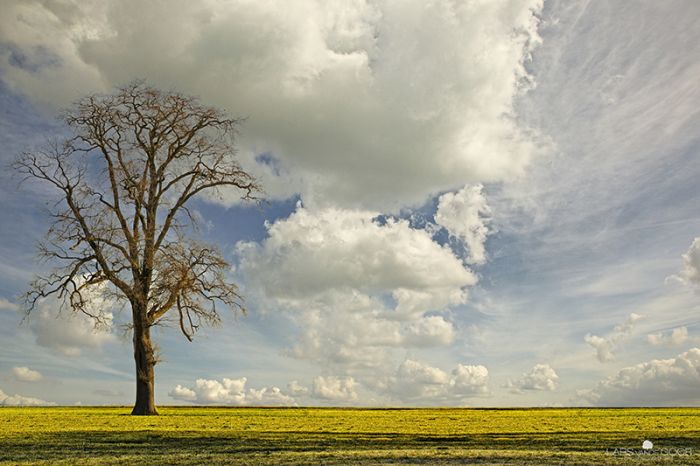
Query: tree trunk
145 367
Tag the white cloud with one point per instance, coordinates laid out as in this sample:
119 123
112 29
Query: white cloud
602 346
335 388
468 380
466 215
230 392
655 339
677 336
6 305
19 400
356 287
605 346
314 251
659 382
183 393
691 264
48 62
296 389
269 396
25 374
415 381
343 94
626 327
68 332
428 331
542 377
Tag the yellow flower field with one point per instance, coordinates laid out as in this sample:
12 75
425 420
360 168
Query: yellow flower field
185 435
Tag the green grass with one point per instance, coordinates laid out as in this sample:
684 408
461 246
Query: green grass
344 436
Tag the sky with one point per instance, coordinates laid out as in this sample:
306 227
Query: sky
470 203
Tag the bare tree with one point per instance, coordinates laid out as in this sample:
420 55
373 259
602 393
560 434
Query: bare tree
122 225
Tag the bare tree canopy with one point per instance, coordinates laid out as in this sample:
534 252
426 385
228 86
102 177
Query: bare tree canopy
123 227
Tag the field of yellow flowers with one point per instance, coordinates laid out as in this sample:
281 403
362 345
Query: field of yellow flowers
180 435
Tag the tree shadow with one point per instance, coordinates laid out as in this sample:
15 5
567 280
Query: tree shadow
222 447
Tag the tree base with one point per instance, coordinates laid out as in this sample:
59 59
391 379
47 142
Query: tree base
138 411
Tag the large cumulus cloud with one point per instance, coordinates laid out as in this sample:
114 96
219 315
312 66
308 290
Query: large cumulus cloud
361 103
356 287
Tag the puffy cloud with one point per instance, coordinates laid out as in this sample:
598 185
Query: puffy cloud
659 382
314 251
468 380
691 264
183 393
335 388
19 400
6 305
416 381
269 396
357 287
344 95
354 330
25 374
297 389
655 339
677 336
428 331
466 215
541 377
605 346
230 392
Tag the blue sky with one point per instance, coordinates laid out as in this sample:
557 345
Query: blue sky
470 203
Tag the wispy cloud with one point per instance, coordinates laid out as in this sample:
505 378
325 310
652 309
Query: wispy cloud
605 346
